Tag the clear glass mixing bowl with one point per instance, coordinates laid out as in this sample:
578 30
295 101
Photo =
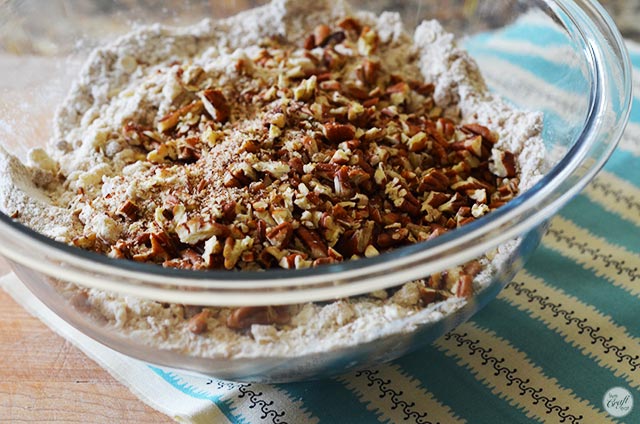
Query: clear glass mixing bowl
42 45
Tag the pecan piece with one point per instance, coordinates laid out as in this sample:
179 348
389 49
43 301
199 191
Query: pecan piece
309 42
233 250
332 59
368 41
410 205
434 180
464 287
198 323
370 71
437 230
350 24
334 38
392 238
330 85
428 295
215 103
342 183
400 87
244 317
170 120
320 34
162 245
238 176
337 133
313 242
280 236
418 142
503 164
483 131
453 204
229 210
128 209
371 102
250 146
324 261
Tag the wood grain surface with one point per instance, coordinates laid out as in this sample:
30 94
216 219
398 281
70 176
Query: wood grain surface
44 378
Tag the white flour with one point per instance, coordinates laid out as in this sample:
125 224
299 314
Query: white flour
111 91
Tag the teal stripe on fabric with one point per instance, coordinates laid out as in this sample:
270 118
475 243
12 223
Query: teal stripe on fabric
590 215
330 401
635 110
610 300
624 165
176 381
635 59
547 71
226 406
542 35
457 387
550 352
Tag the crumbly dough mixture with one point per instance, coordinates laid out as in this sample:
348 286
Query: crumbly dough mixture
293 135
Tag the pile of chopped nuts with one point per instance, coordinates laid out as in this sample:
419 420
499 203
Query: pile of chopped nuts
312 154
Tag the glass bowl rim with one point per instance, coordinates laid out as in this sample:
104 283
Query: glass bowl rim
508 215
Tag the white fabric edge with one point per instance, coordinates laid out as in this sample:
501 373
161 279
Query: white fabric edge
132 373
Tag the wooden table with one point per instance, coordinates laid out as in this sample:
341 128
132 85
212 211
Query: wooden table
45 378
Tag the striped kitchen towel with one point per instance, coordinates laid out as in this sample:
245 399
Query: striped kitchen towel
561 343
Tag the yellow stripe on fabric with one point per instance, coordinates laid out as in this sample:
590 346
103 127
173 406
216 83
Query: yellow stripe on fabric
397 397
281 405
629 141
581 325
606 260
615 195
509 374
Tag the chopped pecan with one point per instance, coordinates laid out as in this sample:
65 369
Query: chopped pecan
216 105
280 235
370 71
503 164
350 24
342 183
392 238
428 295
368 41
129 209
238 176
320 34
334 38
332 59
400 87
433 180
464 287
245 317
172 119
483 131
330 85
309 42
329 156
312 241
233 250
337 133
229 212
198 323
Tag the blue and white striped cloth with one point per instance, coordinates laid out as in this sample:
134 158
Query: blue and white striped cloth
563 333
